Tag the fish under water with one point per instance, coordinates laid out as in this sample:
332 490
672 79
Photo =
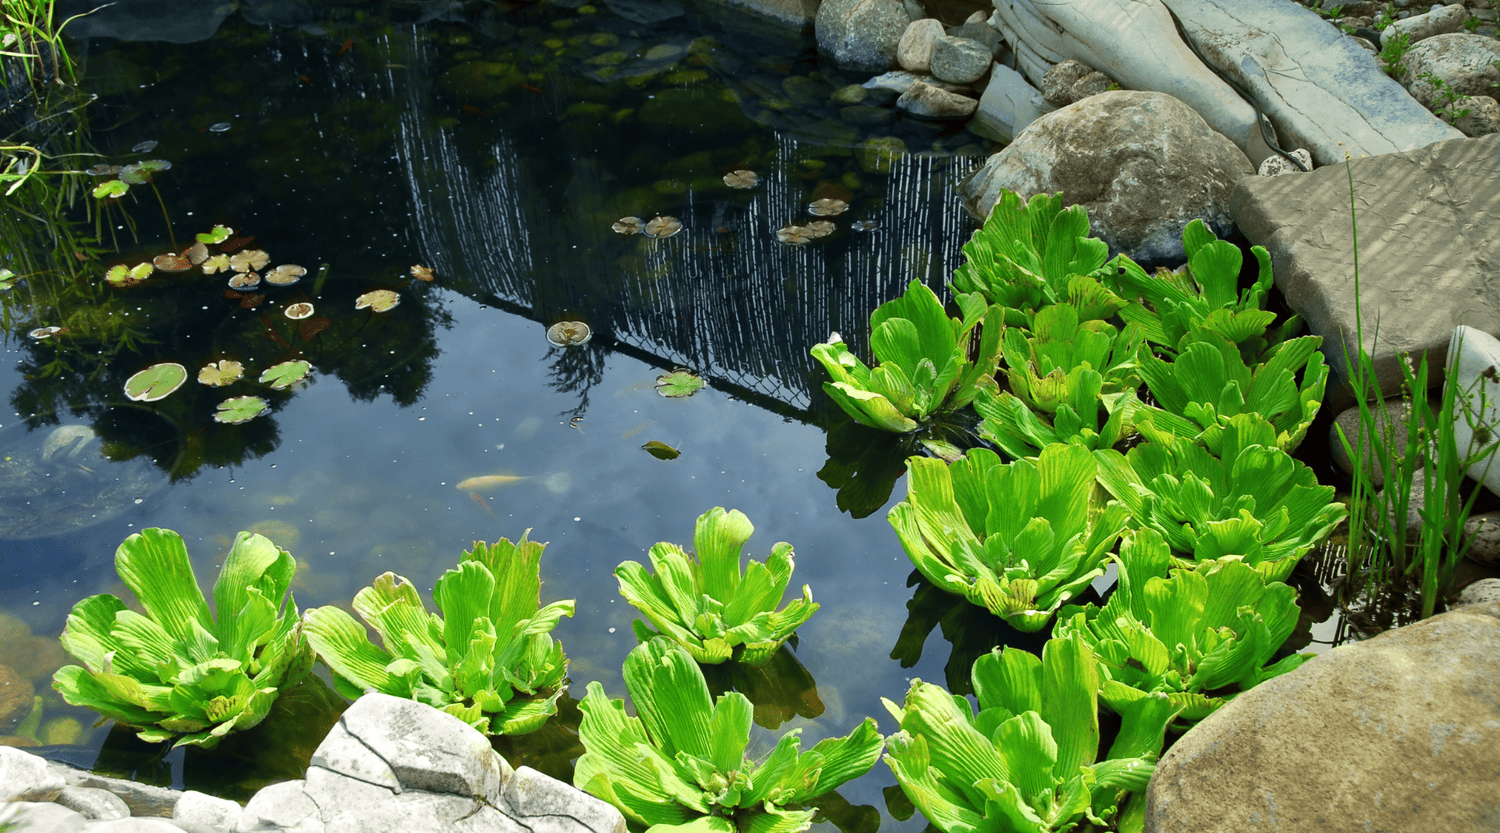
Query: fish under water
488 482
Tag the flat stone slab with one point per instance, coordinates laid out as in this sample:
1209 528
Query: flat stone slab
1429 255
1320 88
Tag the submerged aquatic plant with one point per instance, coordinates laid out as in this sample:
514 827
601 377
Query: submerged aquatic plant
177 671
680 764
488 659
707 602
679 383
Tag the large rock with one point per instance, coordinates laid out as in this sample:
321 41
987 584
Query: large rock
1476 421
1399 733
861 35
960 60
1462 63
1134 42
1321 90
1428 249
1008 105
914 52
1143 164
25 777
1442 20
753 26
929 102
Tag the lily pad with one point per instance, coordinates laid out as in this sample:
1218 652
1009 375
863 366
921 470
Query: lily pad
218 235
113 188
569 333
679 383
379 300
741 179
122 275
795 235
41 333
216 263
239 409
171 262
298 311
661 451
663 226
155 382
625 225
221 373
244 280
151 166
821 228
135 175
284 375
144 147
103 170
422 273
827 207
285 275
249 260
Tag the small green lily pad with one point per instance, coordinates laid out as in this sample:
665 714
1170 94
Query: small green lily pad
113 188
219 374
380 300
661 450
678 383
43 333
284 375
249 260
155 382
121 275
216 263
422 273
7 279
218 235
240 409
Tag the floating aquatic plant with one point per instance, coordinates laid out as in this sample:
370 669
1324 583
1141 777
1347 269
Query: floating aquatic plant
155 382
285 275
243 280
239 409
298 311
628 225
145 146
821 228
41 333
422 273
662 226
217 235
569 333
284 375
122 275
248 260
827 207
112 189
103 170
216 263
171 262
795 235
741 179
678 383
221 373
661 451
379 300
864 225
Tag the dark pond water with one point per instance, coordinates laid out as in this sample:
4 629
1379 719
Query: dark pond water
498 149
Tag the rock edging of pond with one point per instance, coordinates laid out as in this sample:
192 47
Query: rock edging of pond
388 765
1397 733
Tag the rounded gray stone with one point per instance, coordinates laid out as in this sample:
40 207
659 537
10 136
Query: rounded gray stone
959 60
1484 591
26 777
914 51
94 803
861 35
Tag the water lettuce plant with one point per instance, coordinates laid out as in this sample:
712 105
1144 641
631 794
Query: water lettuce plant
680 763
1032 254
1046 364
1028 760
177 671
488 659
1019 431
1199 636
1254 501
924 362
1017 538
707 603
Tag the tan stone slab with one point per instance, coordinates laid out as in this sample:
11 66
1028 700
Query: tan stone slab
1429 248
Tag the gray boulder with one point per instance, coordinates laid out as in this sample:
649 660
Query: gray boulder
914 51
960 60
1440 21
861 35
1462 63
1427 249
25 777
94 803
928 102
1484 591
1398 733
1071 82
1476 378
1143 164
1008 105
977 28
1476 115
1390 417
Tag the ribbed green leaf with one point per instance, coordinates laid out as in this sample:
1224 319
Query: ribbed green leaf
670 697
254 568
343 645
154 564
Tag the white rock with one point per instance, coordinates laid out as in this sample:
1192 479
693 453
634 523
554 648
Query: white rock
899 81
45 817
1443 21
421 747
914 52
207 811
1480 592
26 777
280 807
1482 117
94 803
1483 534
1008 105
1276 164
546 805
133 825
929 102
1476 418
1463 63
959 60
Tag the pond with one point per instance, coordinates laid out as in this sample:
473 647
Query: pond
499 152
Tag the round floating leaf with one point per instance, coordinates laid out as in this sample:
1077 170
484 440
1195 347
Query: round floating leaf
380 300
219 127
46 332
568 333
218 235
795 235
244 280
298 311
240 409
663 226
249 260
741 179
151 166
155 382
678 383
219 374
827 207
627 225
196 253
216 263
144 147
422 273
661 450
171 262
135 174
103 170
285 275
113 188
284 375
820 228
